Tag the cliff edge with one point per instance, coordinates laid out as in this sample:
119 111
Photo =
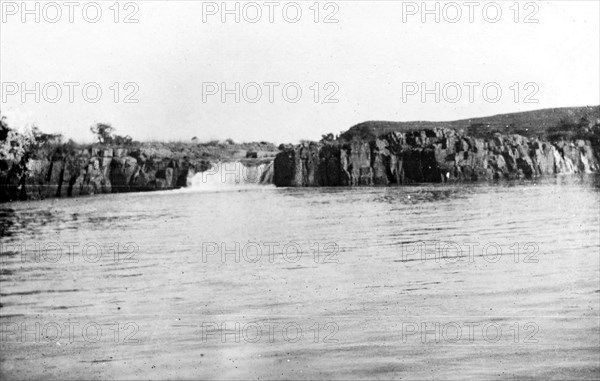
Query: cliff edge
511 146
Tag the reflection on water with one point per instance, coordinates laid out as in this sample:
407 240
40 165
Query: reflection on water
376 280
7 217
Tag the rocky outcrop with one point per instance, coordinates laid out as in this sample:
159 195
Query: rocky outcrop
525 145
93 171
429 156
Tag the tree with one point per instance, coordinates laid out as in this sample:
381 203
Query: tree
14 146
327 138
103 132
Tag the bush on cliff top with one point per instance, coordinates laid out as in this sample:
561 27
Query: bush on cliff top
105 133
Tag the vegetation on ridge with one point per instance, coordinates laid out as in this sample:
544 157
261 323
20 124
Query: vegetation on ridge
34 144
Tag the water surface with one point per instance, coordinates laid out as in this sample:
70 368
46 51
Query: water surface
368 294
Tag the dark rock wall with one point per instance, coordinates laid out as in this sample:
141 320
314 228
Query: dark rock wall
92 171
429 156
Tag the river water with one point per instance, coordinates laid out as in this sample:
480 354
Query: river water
470 281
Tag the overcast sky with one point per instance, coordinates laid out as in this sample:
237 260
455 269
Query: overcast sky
176 53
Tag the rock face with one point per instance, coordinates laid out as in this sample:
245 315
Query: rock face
394 158
92 171
430 156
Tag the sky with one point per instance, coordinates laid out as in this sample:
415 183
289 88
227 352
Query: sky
172 70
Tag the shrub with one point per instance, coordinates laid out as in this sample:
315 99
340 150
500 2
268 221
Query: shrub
103 132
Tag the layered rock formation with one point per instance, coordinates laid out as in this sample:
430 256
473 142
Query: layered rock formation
94 171
428 155
527 145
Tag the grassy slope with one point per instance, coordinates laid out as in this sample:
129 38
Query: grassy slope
529 123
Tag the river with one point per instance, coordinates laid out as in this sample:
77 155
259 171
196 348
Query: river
448 281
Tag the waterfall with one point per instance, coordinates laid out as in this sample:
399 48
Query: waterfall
267 173
233 176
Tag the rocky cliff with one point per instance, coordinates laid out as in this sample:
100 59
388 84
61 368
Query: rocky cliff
97 170
92 171
430 156
508 146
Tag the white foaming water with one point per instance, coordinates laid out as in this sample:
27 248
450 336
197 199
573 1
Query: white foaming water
232 176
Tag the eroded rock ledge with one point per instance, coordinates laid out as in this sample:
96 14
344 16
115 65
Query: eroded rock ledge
429 156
